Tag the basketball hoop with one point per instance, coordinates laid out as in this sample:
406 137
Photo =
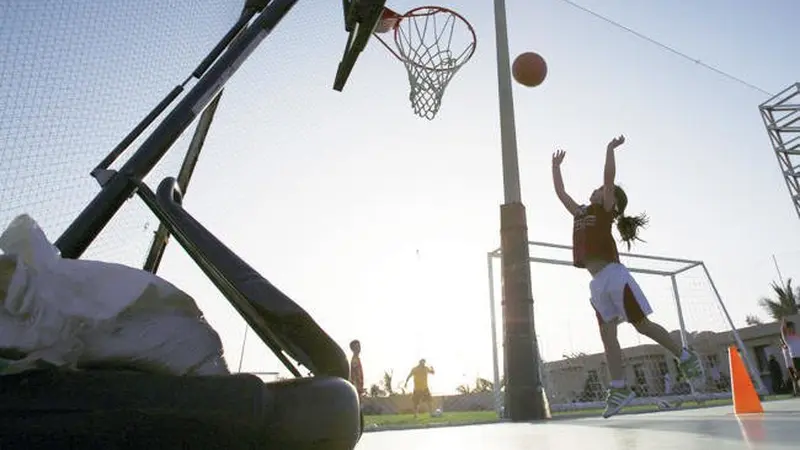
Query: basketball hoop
433 43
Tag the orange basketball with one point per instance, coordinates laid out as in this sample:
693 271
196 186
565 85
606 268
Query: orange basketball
529 69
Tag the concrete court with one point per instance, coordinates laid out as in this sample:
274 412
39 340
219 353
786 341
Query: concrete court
693 429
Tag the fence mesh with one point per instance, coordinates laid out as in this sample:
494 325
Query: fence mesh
74 80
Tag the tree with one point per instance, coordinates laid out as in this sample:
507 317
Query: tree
387 382
376 391
483 385
592 388
752 319
785 301
464 389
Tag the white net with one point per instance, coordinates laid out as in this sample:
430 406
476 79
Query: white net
75 79
433 43
574 369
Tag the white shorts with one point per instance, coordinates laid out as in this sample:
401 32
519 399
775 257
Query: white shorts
608 296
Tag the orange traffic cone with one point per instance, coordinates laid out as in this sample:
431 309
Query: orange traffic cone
745 397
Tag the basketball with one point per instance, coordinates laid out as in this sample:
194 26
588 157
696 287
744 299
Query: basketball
529 69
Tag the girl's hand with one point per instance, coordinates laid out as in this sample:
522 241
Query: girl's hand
616 142
558 158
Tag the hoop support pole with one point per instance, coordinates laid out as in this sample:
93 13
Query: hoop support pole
525 399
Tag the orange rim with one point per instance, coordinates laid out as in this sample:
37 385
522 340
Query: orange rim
423 11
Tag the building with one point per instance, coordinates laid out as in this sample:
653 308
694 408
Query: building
653 371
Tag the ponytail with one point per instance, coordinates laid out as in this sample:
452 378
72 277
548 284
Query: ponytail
628 226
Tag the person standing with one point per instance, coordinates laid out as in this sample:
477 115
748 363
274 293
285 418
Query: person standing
422 393
356 371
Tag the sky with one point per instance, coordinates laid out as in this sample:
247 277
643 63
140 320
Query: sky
378 222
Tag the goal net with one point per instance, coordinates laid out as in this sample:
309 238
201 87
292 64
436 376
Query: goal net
573 367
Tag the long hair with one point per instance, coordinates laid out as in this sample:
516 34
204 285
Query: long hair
628 226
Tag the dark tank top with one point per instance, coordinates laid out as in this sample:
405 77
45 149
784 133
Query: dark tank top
593 241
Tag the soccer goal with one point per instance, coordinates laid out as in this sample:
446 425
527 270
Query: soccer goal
685 301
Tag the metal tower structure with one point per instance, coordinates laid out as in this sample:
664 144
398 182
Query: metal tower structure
781 115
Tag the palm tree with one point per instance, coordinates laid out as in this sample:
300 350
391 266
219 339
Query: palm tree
483 385
387 382
785 302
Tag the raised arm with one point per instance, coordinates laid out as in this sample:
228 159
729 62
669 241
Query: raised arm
558 184
610 172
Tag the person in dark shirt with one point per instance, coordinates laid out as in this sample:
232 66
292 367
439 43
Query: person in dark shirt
356 371
615 295
775 374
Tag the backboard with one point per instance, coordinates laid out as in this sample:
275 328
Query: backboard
360 18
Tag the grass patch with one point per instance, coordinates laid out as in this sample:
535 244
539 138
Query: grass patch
408 420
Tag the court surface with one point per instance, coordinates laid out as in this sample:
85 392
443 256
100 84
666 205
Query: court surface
705 428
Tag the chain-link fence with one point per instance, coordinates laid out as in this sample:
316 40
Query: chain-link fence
75 78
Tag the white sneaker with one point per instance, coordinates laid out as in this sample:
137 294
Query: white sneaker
617 398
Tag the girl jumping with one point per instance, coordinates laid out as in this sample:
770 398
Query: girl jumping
615 295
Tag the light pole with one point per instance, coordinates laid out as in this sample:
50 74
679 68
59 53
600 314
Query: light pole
524 395
778 269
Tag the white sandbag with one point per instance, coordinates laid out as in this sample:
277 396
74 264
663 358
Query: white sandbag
66 311
166 343
92 290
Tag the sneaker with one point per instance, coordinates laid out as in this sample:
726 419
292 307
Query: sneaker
617 398
693 370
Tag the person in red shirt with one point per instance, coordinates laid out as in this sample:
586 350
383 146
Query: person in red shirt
356 372
615 295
